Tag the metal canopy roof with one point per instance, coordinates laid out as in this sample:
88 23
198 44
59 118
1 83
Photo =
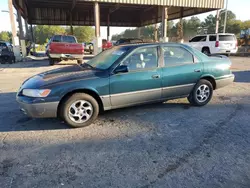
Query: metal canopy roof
131 13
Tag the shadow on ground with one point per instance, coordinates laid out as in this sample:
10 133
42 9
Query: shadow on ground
35 63
242 76
13 119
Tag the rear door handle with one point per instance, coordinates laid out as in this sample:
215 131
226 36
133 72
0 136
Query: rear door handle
197 70
156 76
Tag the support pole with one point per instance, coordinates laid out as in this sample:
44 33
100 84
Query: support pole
225 20
71 26
21 34
71 30
12 23
180 28
108 27
27 33
33 38
217 21
156 33
97 45
164 23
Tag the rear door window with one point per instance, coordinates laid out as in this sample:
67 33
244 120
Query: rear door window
212 38
174 56
198 39
56 38
226 38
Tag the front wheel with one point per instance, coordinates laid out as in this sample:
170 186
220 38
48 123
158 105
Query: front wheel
201 94
79 110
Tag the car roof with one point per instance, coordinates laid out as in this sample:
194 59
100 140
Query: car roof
65 35
214 34
136 45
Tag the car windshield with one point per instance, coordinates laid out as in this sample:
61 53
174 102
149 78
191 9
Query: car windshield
105 59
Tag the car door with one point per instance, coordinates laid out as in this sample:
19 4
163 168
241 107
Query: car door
198 42
180 72
142 82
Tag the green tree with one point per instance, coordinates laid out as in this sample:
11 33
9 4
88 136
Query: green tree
209 23
44 32
245 24
6 36
83 33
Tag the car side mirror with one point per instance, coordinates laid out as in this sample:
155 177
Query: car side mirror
121 69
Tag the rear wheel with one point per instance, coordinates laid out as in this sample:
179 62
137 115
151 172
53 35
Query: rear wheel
79 61
206 51
51 62
11 59
79 110
201 94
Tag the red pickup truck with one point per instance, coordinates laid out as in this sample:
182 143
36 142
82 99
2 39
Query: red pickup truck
64 47
106 44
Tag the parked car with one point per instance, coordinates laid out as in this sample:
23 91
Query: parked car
6 53
128 41
215 44
89 47
106 44
124 76
64 47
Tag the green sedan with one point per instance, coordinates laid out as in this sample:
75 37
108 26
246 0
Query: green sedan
124 76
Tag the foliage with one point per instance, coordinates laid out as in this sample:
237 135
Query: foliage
6 36
44 32
82 33
191 27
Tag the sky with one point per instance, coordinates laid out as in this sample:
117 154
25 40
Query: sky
240 7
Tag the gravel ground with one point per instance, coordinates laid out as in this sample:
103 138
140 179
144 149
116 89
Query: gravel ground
160 145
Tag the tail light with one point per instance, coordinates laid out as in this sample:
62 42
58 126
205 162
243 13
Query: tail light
217 44
236 44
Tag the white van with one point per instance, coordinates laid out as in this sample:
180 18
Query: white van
223 43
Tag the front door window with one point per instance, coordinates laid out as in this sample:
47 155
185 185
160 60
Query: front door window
142 59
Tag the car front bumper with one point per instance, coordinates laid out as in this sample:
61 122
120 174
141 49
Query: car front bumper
38 110
222 82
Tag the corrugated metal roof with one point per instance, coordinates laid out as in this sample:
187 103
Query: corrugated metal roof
127 13
217 4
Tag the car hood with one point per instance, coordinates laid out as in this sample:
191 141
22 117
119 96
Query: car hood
61 75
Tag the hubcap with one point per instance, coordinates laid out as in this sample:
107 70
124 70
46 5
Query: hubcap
80 111
202 93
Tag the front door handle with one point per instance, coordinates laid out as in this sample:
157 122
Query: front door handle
197 70
156 76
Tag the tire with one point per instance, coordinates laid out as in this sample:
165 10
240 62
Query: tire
197 98
14 59
206 51
79 61
83 102
51 62
11 60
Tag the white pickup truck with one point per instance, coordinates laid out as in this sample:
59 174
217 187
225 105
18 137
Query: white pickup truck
222 43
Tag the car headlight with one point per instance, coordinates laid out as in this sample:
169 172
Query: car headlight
36 92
